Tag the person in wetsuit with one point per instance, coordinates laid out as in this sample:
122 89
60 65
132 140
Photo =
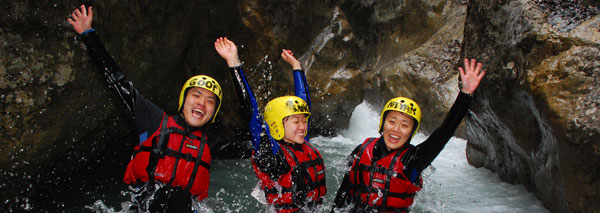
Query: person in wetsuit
169 169
385 172
290 170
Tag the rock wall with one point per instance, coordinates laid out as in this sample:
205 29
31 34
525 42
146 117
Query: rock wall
535 121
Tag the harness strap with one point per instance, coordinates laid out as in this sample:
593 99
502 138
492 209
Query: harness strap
167 131
304 166
159 150
174 172
157 147
380 170
358 176
388 176
199 162
318 161
368 189
293 189
187 157
311 163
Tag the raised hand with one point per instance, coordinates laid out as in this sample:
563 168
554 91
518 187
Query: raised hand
471 75
81 20
228 51
288 56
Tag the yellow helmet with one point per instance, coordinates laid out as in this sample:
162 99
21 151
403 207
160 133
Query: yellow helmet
403 105
281 107
205 82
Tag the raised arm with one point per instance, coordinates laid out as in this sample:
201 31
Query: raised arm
228 51
427 151
300 83
81 20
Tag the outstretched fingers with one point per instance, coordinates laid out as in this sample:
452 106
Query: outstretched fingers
81 19
227 50
471 75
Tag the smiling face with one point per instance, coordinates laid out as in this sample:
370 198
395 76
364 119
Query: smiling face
295 127
199 106
397 129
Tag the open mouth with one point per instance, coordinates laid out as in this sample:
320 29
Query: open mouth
394 138
198 113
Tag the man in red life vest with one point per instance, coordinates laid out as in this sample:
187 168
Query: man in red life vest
385 172
169 169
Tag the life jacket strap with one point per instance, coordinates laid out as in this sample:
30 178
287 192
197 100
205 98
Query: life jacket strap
198 163
368 189
358 176
157 145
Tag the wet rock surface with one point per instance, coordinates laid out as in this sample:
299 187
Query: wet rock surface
566 15
541 87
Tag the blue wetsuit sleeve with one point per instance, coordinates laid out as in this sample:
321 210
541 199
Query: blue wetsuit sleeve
301 90
267 155
250 106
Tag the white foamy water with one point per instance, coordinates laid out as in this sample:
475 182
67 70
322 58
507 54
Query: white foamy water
450 184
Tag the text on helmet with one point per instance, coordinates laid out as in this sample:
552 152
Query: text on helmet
297 107
211 85
402 107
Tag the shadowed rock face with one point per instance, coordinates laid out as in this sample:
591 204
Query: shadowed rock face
535 121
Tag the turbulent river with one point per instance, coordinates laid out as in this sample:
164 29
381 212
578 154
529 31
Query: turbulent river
450 184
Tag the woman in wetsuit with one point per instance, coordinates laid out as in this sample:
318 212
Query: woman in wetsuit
290 170
385 172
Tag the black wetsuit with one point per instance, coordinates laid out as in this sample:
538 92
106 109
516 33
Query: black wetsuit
417 158
146 115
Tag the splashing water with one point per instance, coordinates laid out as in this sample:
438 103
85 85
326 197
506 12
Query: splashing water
450 184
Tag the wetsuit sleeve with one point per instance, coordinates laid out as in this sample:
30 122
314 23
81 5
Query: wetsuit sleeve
249 105
301 90
423 154
267 155
342 198
147 115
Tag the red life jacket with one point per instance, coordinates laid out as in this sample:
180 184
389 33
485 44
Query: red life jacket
307 166
169 156
381 185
